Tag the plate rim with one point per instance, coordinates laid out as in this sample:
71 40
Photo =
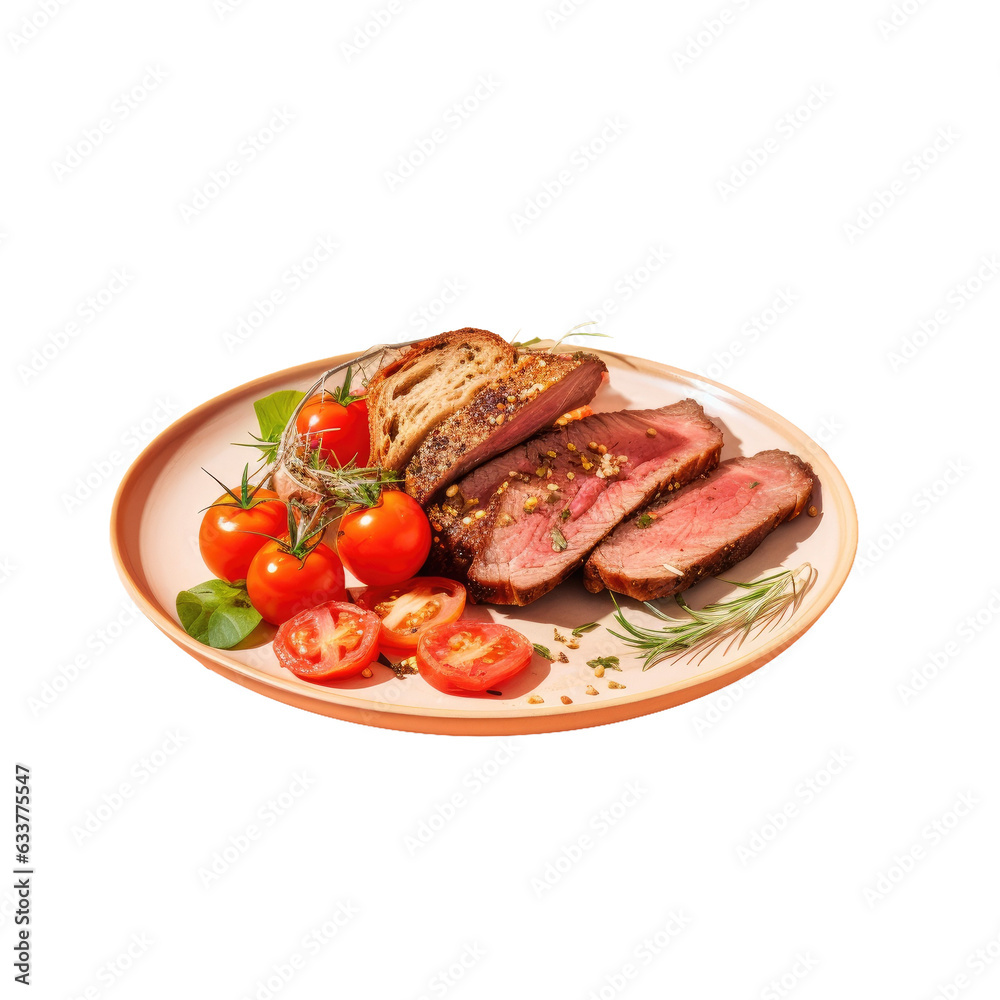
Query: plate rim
458 721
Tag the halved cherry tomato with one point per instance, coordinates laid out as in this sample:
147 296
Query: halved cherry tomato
225 541
280 584
338 430
407 608
387 543
329 641
471 656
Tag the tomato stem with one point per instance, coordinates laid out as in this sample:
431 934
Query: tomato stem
247 496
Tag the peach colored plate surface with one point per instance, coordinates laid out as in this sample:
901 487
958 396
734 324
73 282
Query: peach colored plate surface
154 529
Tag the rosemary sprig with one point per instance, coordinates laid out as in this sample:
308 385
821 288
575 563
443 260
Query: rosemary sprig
760 604
350 486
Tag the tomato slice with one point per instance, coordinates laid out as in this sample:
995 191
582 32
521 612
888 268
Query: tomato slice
471 656
407 608
329 641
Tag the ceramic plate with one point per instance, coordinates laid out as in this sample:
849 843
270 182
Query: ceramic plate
154 532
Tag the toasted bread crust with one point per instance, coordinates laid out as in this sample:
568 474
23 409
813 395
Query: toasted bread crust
411 396
518 401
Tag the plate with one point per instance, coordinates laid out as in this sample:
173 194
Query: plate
154 535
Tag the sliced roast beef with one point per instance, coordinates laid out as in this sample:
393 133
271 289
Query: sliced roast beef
702 529
520 524
522 399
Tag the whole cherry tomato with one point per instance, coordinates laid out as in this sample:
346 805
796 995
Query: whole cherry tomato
387 542
232 529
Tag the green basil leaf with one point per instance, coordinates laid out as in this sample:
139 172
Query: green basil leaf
589 627
217 613
544 652
274 412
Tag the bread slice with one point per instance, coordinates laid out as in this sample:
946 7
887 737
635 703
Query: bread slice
410 397
517 402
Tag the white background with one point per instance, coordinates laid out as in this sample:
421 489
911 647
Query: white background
825 903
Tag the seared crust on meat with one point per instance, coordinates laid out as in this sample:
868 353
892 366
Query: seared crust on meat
703 529
520 524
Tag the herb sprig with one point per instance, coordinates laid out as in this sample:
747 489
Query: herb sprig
759 605
577 331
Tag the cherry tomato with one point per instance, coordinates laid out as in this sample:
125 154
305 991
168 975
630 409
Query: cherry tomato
407 608
281 584
471 656
329 641
387 543
339 431
224 538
